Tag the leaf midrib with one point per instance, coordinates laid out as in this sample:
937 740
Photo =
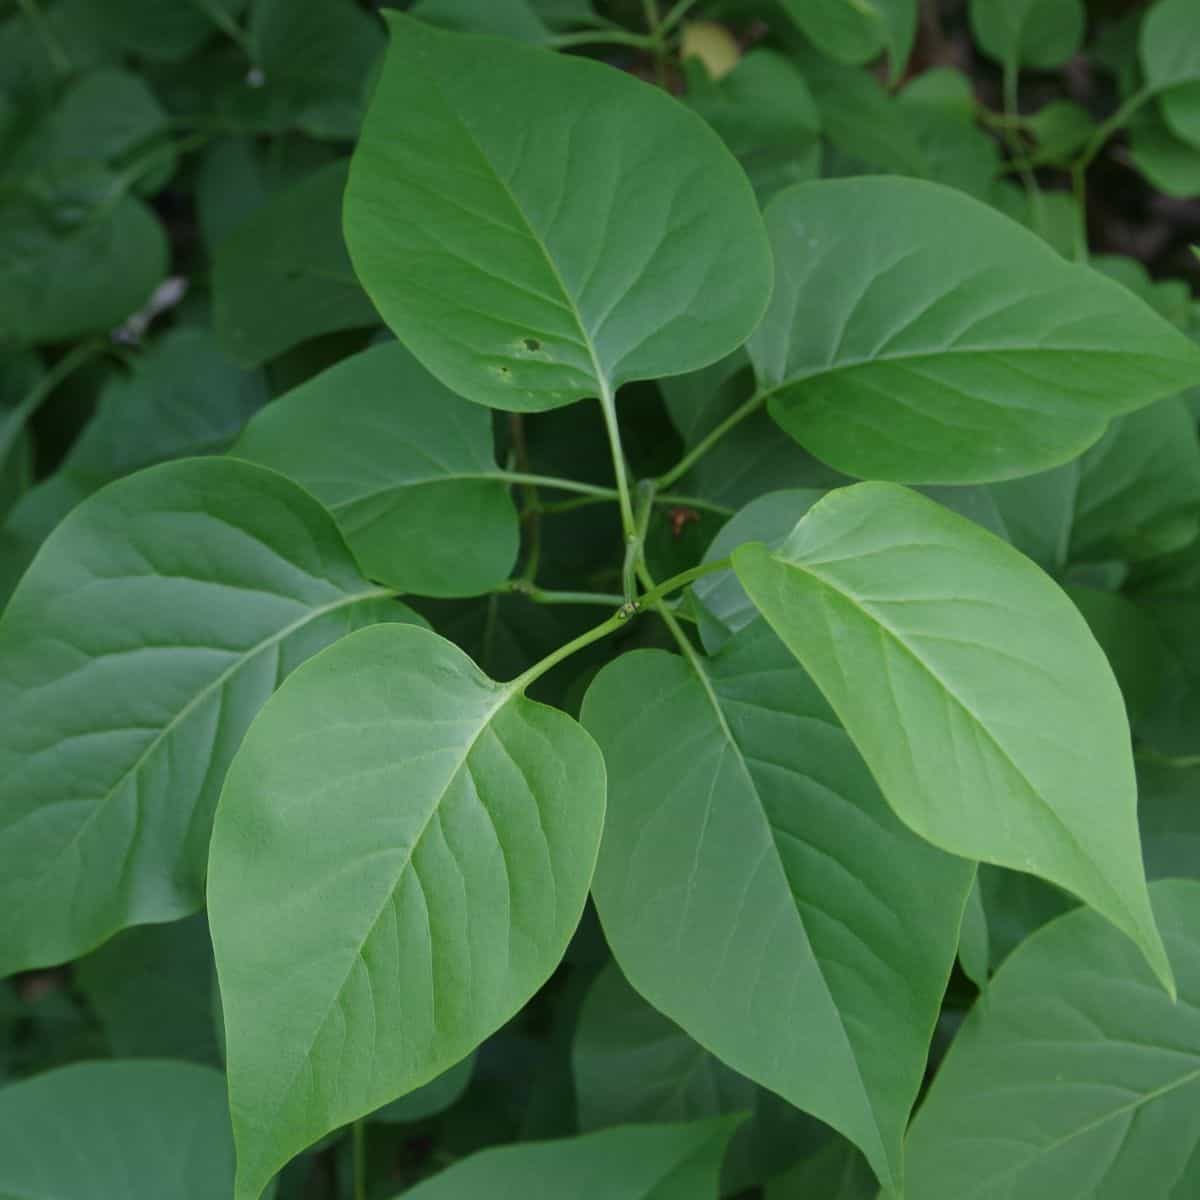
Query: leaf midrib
710 692
203 694
885 627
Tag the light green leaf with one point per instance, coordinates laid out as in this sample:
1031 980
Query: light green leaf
950 346
141 1131
152 625
1074 1077
290 250
522 271
755 887
1040 34
182 398
766 115
407 468
619 1038
152 989
634 1162
972 687
431 1098
416 842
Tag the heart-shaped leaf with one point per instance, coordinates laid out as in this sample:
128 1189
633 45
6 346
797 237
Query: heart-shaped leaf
538 229
415 842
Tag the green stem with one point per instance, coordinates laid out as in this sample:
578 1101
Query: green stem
1016 148
603 37
664 499
618 620
55 50
227 25
1079 191
519 587
359 1135
1115 122
613 429
14 419
1182 762
674 16
552 481
706 443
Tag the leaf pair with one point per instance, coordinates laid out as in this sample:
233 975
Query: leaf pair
912 334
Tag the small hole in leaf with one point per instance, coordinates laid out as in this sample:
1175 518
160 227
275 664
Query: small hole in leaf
532 344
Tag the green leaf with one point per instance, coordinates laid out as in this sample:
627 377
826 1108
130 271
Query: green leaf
152 625
407 468
316 59
848 31
766 115
974 946
838 1172
416 841
517 19
141 1131
635 1162
76 268
1169 816
756 889
291 250
182 398
1039 34
950 346
433 1097
167 32
769 519
152 989
972 687
1138 489
1074 1076
620 1038
523 272
1170 54
1169 164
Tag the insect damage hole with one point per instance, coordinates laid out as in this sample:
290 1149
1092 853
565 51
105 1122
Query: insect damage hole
531 343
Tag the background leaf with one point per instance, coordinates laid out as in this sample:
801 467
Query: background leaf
407 468
149 630
1073 1077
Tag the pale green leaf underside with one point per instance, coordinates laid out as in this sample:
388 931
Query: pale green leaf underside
971 684
1074 1077
631 1162
949 345
538 229
401 853
406 467
141 1131
755 887
151 627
